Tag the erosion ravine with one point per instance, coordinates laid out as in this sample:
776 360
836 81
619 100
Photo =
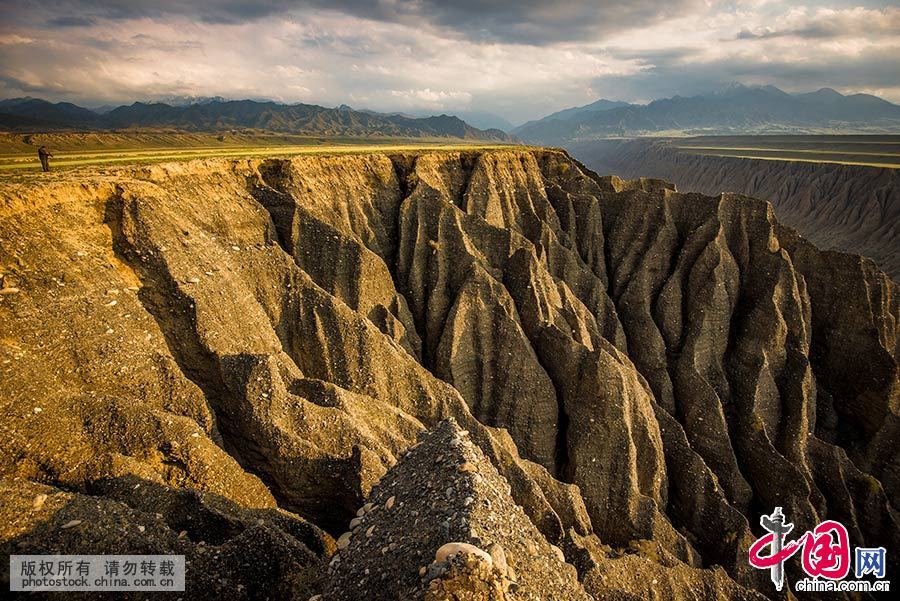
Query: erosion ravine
600 383
845 207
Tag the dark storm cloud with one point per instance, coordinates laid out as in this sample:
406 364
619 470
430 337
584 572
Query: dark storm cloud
521 59
65 13
665 55
522 21
70 22
533 22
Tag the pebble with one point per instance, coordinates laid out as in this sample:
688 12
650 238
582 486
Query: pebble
355 522
39 501
389 503
71 524
344 540
370 531
498 555
559 553
450 549
467 467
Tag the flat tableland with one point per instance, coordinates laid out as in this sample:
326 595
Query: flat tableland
864 150
18 152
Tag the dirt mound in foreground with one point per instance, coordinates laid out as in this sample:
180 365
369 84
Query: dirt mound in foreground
444 491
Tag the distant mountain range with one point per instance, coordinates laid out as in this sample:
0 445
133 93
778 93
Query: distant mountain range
216 114
735 109
479 119
579 111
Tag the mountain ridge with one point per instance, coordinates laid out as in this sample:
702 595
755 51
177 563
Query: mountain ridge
26 114
578 111
737 108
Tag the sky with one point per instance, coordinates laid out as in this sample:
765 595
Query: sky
520 59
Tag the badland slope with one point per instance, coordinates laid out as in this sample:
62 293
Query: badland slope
848 208
234 359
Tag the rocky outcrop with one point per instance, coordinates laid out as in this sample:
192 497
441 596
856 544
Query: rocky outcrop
649 371
230 551
445 499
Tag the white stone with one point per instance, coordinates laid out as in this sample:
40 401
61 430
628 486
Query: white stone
451 549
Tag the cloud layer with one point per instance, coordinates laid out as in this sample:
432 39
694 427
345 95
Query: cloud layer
520 59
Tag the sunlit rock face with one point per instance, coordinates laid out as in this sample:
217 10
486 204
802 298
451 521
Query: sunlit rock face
239 353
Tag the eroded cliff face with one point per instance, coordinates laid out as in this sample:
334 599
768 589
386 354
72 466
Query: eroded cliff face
238 351
847 208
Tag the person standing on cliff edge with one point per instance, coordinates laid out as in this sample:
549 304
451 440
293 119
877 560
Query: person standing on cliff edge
45 157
